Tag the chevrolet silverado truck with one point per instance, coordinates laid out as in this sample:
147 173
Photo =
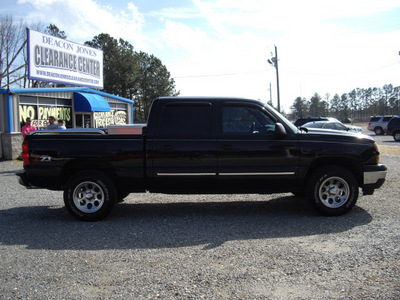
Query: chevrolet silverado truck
202 145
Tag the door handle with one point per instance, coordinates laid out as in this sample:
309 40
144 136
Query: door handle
166 148
228 147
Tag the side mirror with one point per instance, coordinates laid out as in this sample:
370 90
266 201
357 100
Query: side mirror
280 131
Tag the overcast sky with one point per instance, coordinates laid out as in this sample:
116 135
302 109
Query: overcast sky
221 47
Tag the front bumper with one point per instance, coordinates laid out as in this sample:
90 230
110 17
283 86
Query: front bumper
374 177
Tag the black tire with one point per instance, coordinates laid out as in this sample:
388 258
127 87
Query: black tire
379 131
90 195
396 136
333 190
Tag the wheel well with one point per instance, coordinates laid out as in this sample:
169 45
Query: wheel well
347 163
75 166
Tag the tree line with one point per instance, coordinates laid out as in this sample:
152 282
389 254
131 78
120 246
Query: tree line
359 104
138 76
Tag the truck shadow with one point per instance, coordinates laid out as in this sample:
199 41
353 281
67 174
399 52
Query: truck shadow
171 225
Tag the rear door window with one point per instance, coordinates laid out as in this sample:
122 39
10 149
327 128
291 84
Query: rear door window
395 121
329 126
186 120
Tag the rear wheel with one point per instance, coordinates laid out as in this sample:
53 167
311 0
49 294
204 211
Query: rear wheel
333 190
379 131
90 195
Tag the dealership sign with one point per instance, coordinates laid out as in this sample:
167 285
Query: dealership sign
58 60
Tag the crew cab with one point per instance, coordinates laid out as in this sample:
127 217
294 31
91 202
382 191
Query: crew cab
202 145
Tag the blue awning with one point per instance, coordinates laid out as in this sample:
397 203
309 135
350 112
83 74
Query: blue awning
90 102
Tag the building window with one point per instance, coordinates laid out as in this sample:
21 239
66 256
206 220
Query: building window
117 116
39 109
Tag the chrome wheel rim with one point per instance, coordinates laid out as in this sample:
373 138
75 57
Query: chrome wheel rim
334 192
397 136
88 197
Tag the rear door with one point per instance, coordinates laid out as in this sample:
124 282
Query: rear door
182 155
250 155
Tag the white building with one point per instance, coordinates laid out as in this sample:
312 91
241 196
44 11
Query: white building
79 107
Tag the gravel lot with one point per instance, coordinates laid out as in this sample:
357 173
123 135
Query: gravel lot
200 247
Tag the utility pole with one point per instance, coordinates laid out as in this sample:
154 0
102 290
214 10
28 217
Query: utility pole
270 93
274 62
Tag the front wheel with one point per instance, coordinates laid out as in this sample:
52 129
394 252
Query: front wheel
90 195
333 190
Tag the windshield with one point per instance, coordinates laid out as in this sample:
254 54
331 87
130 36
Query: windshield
313 125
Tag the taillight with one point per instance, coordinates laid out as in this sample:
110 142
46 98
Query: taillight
369 124
25 153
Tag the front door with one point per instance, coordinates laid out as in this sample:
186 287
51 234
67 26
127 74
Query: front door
250 155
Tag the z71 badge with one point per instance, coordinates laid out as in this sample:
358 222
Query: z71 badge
43 158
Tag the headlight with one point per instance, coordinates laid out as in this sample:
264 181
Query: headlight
377 152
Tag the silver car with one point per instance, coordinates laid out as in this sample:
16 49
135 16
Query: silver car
334 125
378 124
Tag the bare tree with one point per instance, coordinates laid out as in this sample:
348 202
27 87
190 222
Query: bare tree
13 52
12 41
26 83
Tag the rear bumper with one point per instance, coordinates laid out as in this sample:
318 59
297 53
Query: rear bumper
37 178
23 179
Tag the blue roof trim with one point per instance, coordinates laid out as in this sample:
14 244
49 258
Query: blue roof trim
9 114
90 102
65 89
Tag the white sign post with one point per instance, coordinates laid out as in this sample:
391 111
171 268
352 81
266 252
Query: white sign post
58 60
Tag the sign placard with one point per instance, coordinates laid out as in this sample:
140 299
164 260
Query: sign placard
57 60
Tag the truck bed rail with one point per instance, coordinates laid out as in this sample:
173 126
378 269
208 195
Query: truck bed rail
70 131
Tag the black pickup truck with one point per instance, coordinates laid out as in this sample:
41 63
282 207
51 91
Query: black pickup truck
202 145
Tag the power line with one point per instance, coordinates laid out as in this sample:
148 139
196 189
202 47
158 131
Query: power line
225 74
347 72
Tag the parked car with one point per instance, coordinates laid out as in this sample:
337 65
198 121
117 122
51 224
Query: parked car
304 120
393 128
378 124
335 125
